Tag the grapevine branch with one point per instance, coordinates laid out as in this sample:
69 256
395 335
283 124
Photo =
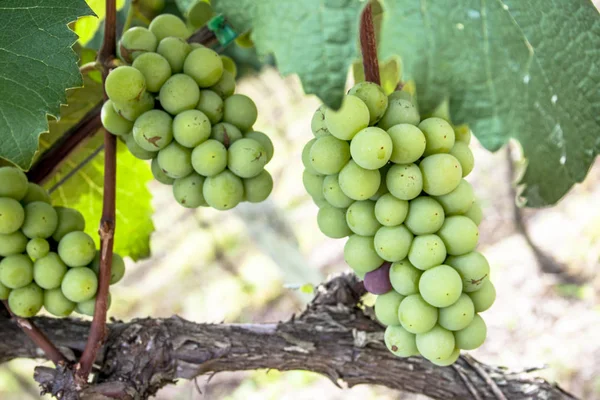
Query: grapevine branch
107 223
368 46
333 336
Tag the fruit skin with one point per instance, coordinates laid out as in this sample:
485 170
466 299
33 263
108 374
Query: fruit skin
360 254
332 222
77 249
166 25
436 344
14 183
26 301
400 342
174 50
439 135
371 148
79 284
328 155
416 315
188 191
264 140
40 221
204 66
404 181
246 158
346 122
386 308
211 105
16 271
374 98
483 298
49 271
124 84
12 215
442 174
223 191
179 93
155 68
35 193
473 335
12 243
240 110
69 220
209 158
135 42
117 269
191 128
113 122
399 111
359 183
258 188
458 315
408 143
57 304
473 268
175 160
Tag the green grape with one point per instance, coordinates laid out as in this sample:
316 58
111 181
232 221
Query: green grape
89 306
35 193
332 222
306 161
12 215
460 235
399 111
223 191
333 192
459 200
439 135
359 183
199 14
441 174
464 156
209 158
153 130
159 174
244 40
404 277
132 109
225 133
117 267
400 342
404 181
69 220
371 148
49 271
246 158
113 122
240 110
225 86
475 213
425 216
360 254
175 51
57 304
124 84
166 25
264 140
4 292
416 315
458 315
349 119
229 65
175 160
427 251
374 97
204 65
77 249
390 211
440 286
473 268
386 308
16 271
317 124
188 191
436 344
320 202
400 94
473 335
393 242
41 220
79 284
382 190
136 150
155 68
135 42
38 248
447 361
27 301
313 183
360 217
257 189
328 155
14 183
12 243
408 143
190 128
211 105
462 133
484 297
179 93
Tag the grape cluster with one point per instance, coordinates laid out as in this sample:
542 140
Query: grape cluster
395 185
46 260
175 105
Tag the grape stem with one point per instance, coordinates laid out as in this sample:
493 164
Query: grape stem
368 46
38 337
98 333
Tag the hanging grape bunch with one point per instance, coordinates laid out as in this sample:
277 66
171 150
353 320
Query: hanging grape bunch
175 105
394 184
46 260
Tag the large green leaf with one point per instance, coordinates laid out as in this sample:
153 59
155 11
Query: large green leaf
315 39
38 64
512 68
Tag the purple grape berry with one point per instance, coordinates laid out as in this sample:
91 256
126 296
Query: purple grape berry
378 281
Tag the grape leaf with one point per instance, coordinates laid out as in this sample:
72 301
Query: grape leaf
315 39
522 69
38 64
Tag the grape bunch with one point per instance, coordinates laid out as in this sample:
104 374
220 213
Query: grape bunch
46 260
175 105
393 183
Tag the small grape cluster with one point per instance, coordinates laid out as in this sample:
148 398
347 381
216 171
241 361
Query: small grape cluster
175 105
395 185
45 257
